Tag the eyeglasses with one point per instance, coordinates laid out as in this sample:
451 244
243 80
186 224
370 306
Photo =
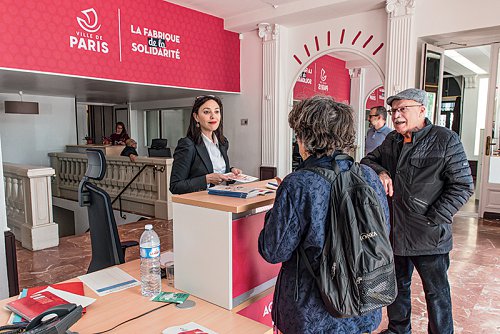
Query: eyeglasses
402 110
370 116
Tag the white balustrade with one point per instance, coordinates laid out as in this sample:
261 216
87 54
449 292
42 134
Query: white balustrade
28 200
148 195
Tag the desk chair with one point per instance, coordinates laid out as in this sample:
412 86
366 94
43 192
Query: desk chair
159 143
159 152
107 250
159 148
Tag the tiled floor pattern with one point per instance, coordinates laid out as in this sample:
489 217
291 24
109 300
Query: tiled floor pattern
72 257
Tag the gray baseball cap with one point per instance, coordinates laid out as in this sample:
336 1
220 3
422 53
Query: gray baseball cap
414 94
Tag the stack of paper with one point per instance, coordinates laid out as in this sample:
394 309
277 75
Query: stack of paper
237 191
241 178
109 280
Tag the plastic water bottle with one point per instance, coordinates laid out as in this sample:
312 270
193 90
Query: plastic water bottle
150 262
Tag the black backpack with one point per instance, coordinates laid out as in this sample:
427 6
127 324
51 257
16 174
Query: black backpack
356 273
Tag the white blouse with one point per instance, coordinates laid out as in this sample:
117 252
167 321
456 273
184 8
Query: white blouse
218 162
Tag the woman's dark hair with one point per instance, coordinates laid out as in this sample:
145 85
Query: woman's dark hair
323 125
124 130
194 132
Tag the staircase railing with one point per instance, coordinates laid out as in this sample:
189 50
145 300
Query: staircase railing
140 189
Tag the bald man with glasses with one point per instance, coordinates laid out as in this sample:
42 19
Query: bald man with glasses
425 172
378 130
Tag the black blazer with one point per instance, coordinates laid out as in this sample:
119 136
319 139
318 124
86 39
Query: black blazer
191 164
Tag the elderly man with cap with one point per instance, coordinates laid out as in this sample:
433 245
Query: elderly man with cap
425 172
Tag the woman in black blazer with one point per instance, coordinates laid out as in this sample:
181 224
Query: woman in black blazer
200 158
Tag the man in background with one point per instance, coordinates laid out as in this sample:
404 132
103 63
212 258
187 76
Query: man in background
378 130
425 172
130 150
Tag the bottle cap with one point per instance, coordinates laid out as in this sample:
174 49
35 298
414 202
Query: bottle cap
148 227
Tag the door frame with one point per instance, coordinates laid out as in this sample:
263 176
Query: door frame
489 200
439 89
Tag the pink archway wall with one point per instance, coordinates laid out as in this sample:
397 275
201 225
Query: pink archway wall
310 56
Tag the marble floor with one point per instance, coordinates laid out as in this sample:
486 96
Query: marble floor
474 270
474 277
72 257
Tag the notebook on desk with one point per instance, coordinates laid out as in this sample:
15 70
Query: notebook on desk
238 191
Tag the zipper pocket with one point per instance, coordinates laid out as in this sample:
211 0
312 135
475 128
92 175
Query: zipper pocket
420 202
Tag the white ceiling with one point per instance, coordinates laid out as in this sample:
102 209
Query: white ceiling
244 15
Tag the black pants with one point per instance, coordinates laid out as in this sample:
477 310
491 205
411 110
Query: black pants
433 272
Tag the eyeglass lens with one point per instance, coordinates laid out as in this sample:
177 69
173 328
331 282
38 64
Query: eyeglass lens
403 109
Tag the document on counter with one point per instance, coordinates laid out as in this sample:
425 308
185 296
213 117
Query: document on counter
189 328
241 177
108 280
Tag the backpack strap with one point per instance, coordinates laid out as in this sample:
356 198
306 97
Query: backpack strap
308 265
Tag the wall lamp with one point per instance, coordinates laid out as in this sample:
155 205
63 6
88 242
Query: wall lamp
21 107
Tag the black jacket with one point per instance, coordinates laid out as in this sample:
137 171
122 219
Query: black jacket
431 179
191 164
128 150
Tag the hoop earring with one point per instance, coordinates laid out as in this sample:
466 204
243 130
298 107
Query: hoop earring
197 124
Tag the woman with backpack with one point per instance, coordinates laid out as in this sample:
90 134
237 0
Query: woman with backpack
296 226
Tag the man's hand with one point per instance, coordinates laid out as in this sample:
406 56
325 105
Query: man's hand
387 183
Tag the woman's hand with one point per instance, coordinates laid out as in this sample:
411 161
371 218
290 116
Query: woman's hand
235 171
216 178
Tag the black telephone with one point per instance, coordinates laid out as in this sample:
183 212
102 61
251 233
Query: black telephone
55 320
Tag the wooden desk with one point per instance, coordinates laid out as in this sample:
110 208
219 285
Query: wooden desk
215 246
110 310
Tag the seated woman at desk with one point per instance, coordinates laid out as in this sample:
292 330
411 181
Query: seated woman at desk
130 150
200 158
120 135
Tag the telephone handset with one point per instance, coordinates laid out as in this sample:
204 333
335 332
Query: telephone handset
55 320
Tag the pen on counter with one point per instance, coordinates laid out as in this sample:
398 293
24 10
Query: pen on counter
273 184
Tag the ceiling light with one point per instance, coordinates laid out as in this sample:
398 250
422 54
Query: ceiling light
464 61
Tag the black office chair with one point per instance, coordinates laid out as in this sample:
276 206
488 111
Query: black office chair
159 152
107 250
159 143
159 148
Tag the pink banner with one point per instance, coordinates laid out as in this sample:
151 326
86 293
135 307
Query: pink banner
250 270
376 98
260 310
325 76
152 42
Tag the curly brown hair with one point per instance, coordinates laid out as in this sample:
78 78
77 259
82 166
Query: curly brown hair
323 125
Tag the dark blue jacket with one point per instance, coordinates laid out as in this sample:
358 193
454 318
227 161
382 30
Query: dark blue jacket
191 165
299 216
